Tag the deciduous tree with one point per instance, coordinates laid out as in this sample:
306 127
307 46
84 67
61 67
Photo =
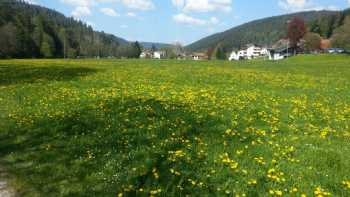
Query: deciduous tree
341 37
312 41
296 31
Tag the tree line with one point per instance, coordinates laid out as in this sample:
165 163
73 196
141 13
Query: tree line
303 38
31 31
267 31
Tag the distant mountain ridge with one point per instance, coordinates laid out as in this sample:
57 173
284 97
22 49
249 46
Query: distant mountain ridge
148 45
267 31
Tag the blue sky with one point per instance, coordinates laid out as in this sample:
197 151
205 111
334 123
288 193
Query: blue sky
183 21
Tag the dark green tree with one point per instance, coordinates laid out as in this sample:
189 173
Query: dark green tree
8 41
37 34
47 46
35 31
137 49
154 48
220 53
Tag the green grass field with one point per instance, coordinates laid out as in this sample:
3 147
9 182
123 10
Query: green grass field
177 128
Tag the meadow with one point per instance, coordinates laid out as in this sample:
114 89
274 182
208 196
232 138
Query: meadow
176 128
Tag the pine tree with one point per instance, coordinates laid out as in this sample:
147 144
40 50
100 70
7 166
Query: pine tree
8 41
47 46
137 49
37 34
220 53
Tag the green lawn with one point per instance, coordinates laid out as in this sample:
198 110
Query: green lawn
177 128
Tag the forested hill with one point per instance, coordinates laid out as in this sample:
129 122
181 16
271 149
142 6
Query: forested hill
31 31
269 30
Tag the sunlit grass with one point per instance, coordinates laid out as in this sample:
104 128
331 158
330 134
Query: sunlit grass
177 128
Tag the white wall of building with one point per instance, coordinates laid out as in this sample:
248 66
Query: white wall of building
250 53
158 55
276 56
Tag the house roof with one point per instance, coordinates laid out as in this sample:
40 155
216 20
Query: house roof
199 54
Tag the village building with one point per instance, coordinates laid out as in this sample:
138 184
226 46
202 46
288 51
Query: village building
252 51
199 56
280 53
276 54
281 50
146 54
181 56
240 55
159 55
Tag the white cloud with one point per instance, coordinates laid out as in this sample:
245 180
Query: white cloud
203 5
79 3
109 12
180 3
185 19
333 7
292 5
214 20
89 23
107 1
31 2
349 2
139 4
83 7
81 11
131 14
302 5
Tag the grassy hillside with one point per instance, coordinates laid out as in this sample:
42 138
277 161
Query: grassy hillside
134 128
269 30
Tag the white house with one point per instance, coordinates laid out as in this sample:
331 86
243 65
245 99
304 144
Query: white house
254 51
276 55
264 52
251 52
159 54
233 56
199 56
240 55
145 54
280 53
